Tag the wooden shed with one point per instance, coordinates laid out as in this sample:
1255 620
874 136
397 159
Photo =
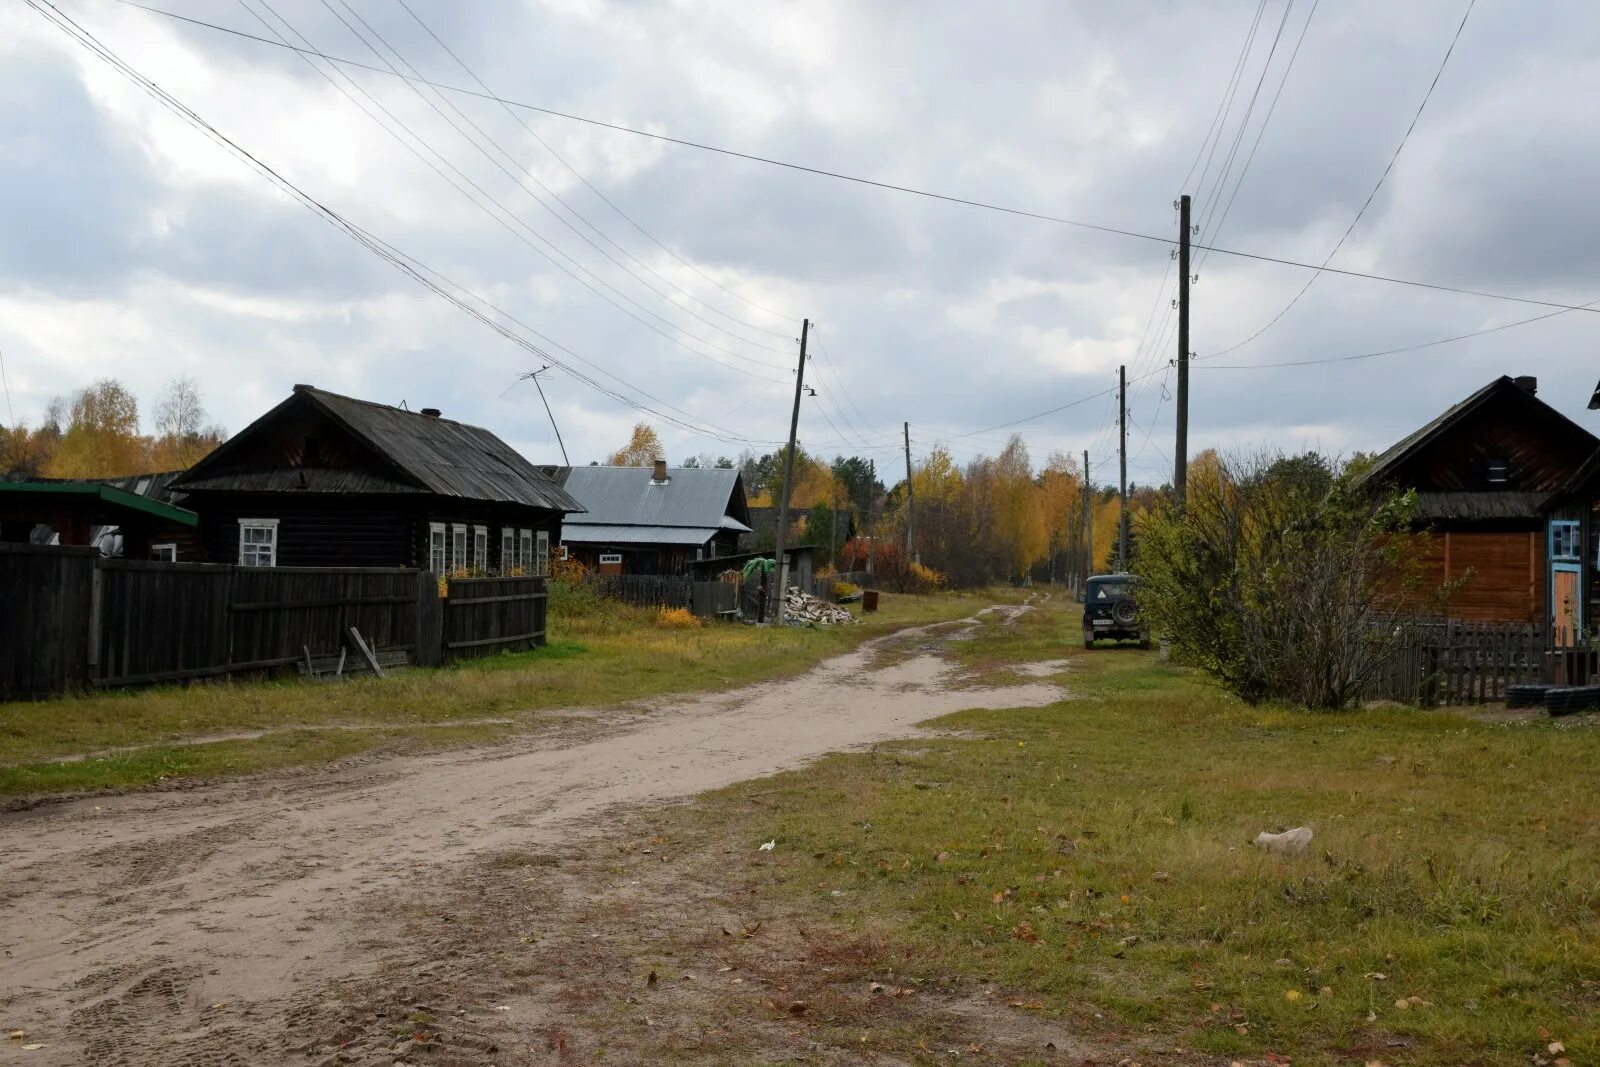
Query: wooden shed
324 480
1487 474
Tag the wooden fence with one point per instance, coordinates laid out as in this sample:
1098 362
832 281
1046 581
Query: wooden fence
488 615
1451 661
70 620
826 588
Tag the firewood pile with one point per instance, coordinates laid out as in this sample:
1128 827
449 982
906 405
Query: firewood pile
803 609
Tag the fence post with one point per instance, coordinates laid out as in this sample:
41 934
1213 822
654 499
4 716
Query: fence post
428 646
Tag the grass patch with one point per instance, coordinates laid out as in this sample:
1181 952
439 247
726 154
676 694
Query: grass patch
601 654
1092 860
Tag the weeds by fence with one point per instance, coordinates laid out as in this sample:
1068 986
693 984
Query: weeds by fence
1452 661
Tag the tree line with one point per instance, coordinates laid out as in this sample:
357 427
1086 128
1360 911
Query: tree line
96 433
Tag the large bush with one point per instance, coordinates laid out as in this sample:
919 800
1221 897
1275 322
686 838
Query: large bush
1282 577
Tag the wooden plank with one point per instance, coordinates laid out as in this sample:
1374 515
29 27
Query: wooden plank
485 641
326 602
509 598
366 653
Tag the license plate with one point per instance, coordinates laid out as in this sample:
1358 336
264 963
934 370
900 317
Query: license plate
1102 622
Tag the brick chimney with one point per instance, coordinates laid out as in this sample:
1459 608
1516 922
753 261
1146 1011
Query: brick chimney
660 475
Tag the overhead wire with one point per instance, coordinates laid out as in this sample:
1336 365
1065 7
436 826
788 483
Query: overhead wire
1370 196
890 186
597 192
515 217
408 265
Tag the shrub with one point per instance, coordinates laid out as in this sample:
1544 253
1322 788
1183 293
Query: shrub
570 599
568 570
1282 577
920 579
845 590
677 619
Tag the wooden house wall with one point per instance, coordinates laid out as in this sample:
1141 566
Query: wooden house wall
652 558
1541 455
1508 572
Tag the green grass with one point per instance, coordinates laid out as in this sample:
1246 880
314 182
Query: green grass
599 656
1093 858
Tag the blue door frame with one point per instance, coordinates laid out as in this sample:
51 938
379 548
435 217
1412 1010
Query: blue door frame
1568 533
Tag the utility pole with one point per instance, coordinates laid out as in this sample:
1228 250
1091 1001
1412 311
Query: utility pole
911 505
1122 457
1087 563
833 536
1180 447
782 569
536 384
872 504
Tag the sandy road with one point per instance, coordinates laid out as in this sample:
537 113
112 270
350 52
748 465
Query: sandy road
166 927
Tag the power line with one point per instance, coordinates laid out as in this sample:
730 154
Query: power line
4 380
1387 351
406 264
522 223
592 188
1370 196
890 186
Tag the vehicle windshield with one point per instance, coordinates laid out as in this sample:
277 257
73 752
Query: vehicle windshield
1103 591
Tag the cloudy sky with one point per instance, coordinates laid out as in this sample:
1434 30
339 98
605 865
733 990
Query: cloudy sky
137 247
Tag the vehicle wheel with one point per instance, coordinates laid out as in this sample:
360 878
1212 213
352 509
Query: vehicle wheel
1144 643
1088 639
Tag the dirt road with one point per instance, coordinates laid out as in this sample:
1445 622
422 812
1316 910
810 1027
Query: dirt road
196 927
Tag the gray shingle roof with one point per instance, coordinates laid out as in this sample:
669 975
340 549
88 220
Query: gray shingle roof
693 497
436 455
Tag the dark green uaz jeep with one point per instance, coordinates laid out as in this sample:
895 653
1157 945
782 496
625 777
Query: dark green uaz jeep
1110 612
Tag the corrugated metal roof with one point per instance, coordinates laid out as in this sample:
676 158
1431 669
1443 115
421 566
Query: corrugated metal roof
584 533
108 495
439 455
627 496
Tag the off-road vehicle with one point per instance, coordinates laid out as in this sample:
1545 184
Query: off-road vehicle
1110 612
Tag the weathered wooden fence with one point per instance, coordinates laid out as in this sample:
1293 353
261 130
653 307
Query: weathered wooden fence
1452 661
645 590
483 616
70 620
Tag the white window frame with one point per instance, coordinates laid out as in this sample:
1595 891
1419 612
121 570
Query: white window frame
458 547
508 549
480 548
564 556
270 544
610 557
541 553
525 549
164 553
438 549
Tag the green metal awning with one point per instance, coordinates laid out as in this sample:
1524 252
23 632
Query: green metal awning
103 494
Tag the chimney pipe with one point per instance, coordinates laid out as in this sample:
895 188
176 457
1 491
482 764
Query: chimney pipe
660 474
1594 401
1528 384
432 413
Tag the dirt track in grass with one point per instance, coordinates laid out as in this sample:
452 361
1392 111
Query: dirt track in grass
339 915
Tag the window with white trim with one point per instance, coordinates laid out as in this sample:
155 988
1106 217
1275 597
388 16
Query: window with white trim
564 556
167 553
541 556
458 547
610 557
480 548
508 549
436 548
258 542
524 549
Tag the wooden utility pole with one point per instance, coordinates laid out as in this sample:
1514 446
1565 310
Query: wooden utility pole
782 569
911 505
872 506
1180 447
1087 563
833 536
1122 458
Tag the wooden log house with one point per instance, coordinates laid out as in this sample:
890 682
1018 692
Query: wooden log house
324 480
1507 486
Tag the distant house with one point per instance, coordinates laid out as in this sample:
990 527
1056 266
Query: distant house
327 480
1500 482
134 517
644 520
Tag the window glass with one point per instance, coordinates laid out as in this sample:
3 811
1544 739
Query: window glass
524 549
1111 590
458 547
541 560
508 549
436 547
258 542
480 547
1564 540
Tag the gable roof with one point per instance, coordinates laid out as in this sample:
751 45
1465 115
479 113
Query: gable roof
691 497
111 501
1502 389
426 453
